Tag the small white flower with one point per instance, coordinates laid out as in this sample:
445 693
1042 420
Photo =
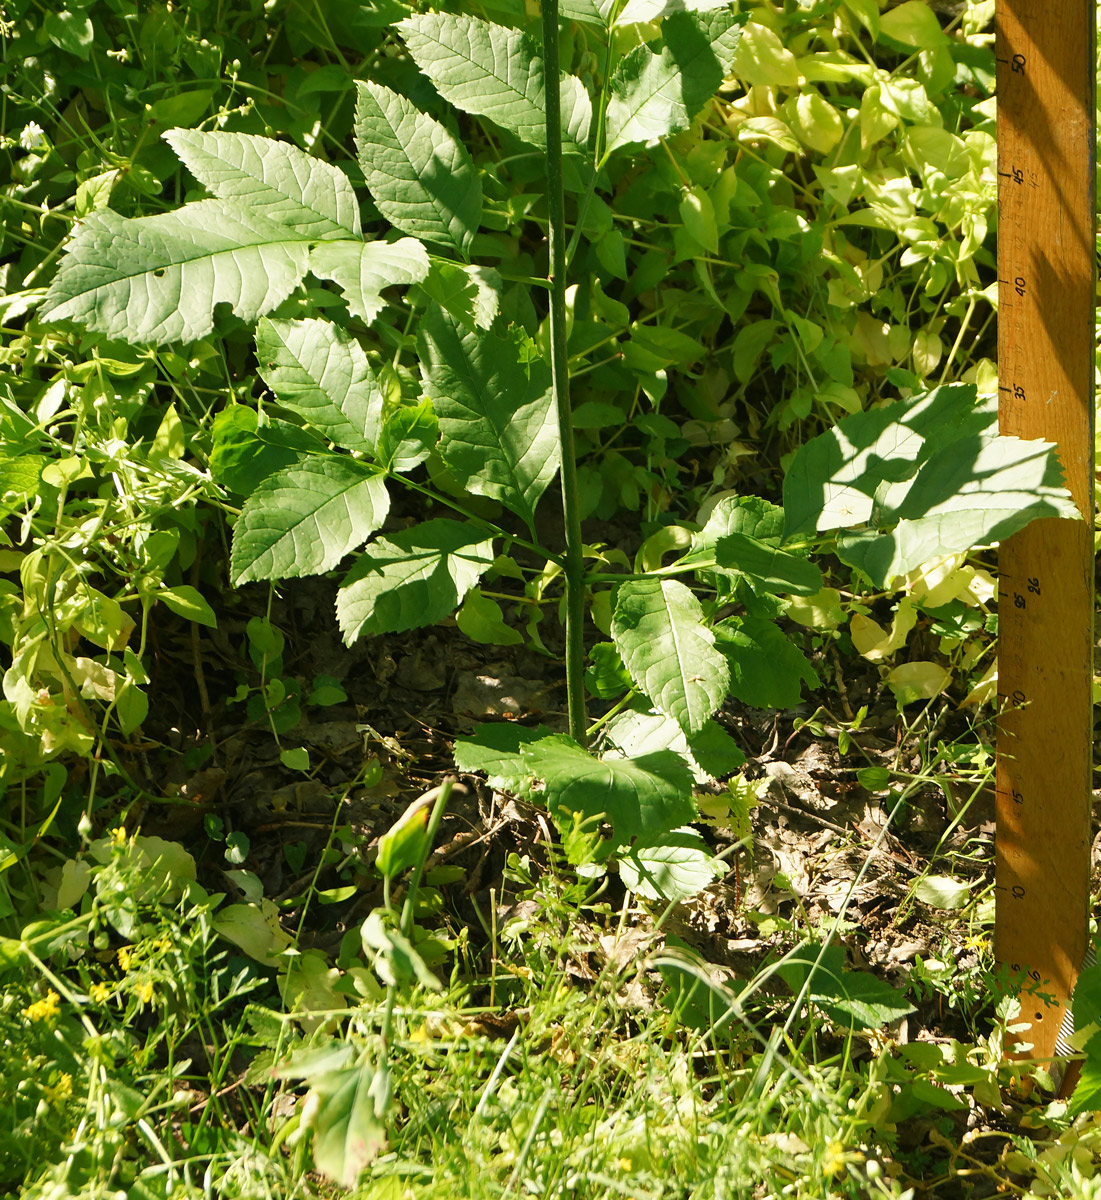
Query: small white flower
33 136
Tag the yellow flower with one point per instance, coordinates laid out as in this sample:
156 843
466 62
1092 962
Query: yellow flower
118 835
837 1158
125 957
977 941
61 1091
144 991
43 1010
101 992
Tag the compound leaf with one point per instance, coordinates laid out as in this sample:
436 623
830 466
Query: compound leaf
412 578
669 652
421 178
274 179
321 372
303 520
157 279
496 413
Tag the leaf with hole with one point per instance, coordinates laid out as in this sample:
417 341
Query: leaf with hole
158 279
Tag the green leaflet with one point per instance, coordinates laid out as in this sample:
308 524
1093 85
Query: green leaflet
496 72
412 578
407 437
316 369
363 269
496 414
421 178
766 669
157 279
471 294
930 466
711 753
274 179
641 797
654 95
670 654
304 519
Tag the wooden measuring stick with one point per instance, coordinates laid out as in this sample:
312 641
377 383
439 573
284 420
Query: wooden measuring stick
1045 53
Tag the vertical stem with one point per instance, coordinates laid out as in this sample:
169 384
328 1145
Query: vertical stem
560 382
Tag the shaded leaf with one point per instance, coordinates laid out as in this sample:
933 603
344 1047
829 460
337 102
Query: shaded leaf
852 998
766 669
412 578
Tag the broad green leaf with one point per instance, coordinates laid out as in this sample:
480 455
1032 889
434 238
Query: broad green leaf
496 750
914 24
852 998
676 867
1087 1092
471 294
274 179
318 370
766 669
767 568
589 12
493 71
641 797
496 413
363 269
931 467
712 753
349 1129
303 520
421 178
412 578
763 59
158 279
669 652
653 95
482 620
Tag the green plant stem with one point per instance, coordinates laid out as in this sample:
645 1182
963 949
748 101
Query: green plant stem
573 564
